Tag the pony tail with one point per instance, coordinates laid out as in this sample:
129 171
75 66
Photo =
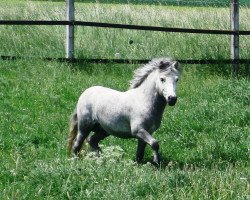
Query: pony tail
73 127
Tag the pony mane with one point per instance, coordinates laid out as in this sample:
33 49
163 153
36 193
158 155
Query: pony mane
142 73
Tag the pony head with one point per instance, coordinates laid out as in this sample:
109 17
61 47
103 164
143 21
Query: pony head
168 76
165 74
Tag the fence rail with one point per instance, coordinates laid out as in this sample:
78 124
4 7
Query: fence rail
134 61
70 23
122 26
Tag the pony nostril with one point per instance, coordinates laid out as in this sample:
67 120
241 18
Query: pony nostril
172 100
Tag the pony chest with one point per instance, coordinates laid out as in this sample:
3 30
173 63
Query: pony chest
153 123
149 120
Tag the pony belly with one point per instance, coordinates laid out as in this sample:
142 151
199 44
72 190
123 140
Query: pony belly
124 135
118 129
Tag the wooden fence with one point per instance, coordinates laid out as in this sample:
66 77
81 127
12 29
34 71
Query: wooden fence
70 23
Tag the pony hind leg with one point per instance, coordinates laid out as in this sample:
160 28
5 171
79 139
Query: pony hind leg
99 134
82 134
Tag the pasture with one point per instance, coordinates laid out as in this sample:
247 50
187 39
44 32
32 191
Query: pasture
204 139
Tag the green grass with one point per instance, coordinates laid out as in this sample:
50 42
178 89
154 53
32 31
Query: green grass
204 139
91 42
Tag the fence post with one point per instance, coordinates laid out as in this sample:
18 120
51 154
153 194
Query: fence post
235 54
70 29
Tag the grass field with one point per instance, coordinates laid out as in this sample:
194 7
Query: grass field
45 41
204 139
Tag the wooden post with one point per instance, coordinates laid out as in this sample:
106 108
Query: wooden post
70 30
235 54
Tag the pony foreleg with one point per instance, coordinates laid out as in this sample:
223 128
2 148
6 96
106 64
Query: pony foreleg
147 138
140 150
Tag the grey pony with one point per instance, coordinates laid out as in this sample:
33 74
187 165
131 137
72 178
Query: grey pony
135 113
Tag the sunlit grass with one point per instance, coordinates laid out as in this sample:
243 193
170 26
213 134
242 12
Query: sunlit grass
205 137
91 42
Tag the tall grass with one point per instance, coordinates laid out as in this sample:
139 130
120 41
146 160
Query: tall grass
165 2
204 139
45 41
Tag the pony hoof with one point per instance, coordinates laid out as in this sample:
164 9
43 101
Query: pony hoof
156 162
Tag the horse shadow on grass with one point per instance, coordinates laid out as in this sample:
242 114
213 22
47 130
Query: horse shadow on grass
166 163
171 164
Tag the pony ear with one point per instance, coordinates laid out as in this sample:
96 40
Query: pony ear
163 65
176 65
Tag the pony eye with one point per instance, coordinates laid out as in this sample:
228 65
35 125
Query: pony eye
177 80
162 80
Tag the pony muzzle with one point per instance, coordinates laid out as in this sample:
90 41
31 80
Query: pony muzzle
172 100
